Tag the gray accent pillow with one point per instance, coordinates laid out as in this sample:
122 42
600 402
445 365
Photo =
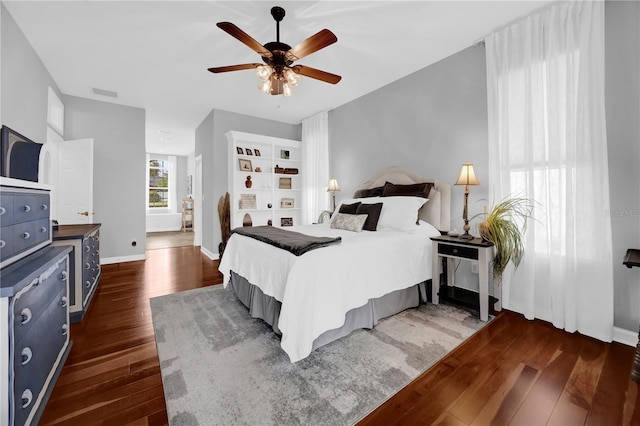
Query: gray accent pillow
349 222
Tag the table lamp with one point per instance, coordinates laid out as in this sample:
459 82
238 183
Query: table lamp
333 188
467 177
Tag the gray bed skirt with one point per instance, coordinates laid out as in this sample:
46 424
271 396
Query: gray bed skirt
267 308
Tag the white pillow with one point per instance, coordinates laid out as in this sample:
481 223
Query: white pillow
399 213
349 222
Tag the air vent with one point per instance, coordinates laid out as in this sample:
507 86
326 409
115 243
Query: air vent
103 92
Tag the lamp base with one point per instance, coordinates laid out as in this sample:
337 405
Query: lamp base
466 236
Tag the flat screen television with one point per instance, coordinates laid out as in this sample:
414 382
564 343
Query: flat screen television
19 156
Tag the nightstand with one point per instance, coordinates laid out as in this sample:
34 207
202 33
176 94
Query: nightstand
476 250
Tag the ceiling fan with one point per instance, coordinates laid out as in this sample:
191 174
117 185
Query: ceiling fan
279 74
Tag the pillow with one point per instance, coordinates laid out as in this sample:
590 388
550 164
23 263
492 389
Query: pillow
399 213
415 189
351 201
368 193
349 208
349 222
373 215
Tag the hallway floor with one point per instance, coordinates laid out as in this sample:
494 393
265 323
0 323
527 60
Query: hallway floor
161 240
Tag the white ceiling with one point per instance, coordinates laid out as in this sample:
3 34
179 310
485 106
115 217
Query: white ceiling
155 54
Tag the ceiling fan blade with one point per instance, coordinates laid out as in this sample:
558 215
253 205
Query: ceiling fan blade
327 77
233 68
245 38
314 43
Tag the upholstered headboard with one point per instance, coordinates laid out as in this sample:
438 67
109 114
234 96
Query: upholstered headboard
437 211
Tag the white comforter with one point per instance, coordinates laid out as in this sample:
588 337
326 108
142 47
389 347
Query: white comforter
318 288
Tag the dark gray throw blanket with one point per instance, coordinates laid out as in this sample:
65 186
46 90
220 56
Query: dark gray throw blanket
293 242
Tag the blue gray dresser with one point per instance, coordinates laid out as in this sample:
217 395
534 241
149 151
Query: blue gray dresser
85 264
34 304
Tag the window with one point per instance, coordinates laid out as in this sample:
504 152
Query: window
159 173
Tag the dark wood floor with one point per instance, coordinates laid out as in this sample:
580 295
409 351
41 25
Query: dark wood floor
513 371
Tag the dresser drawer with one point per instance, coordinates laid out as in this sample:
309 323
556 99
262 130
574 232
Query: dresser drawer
28 308
35 355
458 251
6 209
29 207
6 242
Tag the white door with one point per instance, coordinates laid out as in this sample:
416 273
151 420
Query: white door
75 182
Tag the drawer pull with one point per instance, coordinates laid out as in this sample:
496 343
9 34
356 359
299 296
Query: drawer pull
43 229
2 243
27 397
2 210
26 208
26 355
26 316
65 329
26 235
45 207
455 251
87 284
64 301
63 276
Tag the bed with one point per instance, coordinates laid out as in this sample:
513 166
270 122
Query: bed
324 294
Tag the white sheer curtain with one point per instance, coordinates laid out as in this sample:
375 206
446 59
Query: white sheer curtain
315 166
547 141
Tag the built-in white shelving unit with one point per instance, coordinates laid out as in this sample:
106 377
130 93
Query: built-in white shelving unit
263 161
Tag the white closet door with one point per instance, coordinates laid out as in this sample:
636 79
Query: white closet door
75 182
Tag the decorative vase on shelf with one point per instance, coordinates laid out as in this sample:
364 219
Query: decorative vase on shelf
248 183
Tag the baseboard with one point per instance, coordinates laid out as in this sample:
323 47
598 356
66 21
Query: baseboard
620 335
210 255
626 337
122 259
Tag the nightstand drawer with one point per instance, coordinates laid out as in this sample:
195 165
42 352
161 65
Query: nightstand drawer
458 251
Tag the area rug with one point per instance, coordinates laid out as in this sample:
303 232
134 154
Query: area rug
220 366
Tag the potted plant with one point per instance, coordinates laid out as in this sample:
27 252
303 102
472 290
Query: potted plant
504 225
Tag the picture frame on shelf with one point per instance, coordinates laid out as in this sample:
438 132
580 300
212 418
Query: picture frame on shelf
247 202
287 203
286 221
248 151
284 183
284 154
257 152
245 165
239 151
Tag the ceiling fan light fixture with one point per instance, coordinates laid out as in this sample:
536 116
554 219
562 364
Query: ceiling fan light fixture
293 79
286 90
265 86
264 72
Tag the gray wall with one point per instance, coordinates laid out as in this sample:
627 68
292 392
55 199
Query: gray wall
204 148
212 144
181 181
119 173
431 121
435 119
622 91
24 83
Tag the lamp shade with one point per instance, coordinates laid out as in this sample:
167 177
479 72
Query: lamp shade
467 175
333 185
